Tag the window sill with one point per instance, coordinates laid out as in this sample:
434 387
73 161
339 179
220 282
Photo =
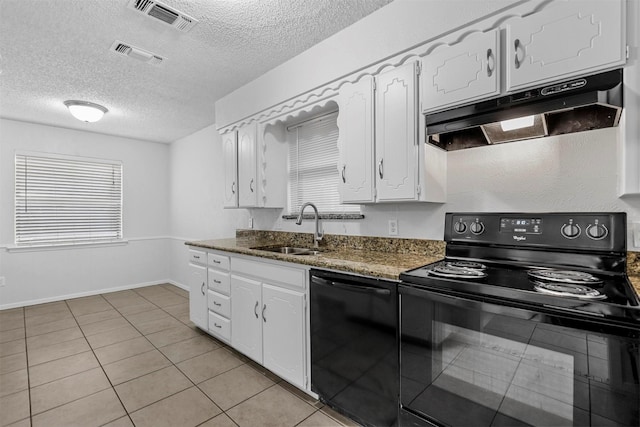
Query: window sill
326 216
63 246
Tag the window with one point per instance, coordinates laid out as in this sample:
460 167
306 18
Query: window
67 200
313 166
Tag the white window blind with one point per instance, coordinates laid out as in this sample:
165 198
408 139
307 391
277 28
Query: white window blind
64 200
313 166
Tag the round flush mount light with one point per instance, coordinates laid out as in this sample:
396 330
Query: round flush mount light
85 111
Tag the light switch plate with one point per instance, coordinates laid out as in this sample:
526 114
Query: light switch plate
393 227
251 223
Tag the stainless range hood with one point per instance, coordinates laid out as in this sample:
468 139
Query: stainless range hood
576 105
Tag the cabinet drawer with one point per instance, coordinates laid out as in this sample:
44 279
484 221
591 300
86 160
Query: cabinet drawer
219 281
219 261
197 257
219 326
219 303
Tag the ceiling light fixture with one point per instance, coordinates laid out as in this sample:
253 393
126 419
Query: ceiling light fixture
85 111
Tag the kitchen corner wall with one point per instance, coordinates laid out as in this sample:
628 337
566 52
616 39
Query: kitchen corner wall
46 275
196 197
576 172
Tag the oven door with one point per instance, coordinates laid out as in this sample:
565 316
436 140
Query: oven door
477 362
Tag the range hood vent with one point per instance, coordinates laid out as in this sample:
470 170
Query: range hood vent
160 11
131 51
576 105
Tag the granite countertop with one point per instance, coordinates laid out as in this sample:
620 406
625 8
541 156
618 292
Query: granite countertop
370 256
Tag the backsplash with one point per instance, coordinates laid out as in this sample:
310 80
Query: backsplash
340 241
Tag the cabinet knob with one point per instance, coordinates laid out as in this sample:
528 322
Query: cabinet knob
516 45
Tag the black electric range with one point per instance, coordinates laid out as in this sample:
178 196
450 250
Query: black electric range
547 295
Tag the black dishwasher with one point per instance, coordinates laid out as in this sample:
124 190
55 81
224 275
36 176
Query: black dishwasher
354 347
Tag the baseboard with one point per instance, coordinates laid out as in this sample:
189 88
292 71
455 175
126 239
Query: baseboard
91 293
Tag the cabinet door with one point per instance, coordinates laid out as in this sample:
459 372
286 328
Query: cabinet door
230 155
246 317
564 40
461 73
355 141
396 134
198 295
247 167
283 333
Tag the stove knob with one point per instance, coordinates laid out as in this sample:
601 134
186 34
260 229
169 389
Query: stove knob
460 227
477 227
570 230
597 231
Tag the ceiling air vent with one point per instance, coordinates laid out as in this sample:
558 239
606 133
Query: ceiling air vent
162 12
135 53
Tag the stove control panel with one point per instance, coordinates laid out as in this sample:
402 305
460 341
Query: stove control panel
585 231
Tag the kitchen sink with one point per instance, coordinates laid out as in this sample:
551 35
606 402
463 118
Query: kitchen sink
289 250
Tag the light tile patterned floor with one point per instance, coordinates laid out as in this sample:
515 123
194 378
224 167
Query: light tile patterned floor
134 358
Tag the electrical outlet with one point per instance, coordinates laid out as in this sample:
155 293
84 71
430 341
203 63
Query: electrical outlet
251 222
636 234
393 227
2 281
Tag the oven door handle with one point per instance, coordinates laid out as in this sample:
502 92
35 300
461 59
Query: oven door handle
349 287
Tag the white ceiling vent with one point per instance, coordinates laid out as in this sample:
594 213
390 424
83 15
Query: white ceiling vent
135 53
162 12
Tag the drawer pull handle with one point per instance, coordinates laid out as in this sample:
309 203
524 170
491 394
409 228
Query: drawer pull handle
490 59
217 281
517 45
217 326
196 256
217 304
255 310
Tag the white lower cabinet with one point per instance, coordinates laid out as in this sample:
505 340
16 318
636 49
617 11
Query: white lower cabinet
283 332
258 307
246 306
268 314
198 289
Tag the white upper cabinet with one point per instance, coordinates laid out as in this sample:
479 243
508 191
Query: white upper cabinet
247 166
355 141
564 40
396 127
230 156
460 73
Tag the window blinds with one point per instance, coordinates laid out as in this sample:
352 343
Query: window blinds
63 200
313 166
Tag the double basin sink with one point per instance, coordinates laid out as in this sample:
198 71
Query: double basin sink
288 250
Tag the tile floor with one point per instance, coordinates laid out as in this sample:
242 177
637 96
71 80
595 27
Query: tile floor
134 358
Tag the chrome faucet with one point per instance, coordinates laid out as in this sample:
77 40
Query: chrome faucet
318 235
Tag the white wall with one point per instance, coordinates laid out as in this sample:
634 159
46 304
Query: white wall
42 275
196 197
575 172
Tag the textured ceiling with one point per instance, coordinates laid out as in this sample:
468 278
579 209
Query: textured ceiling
55 50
